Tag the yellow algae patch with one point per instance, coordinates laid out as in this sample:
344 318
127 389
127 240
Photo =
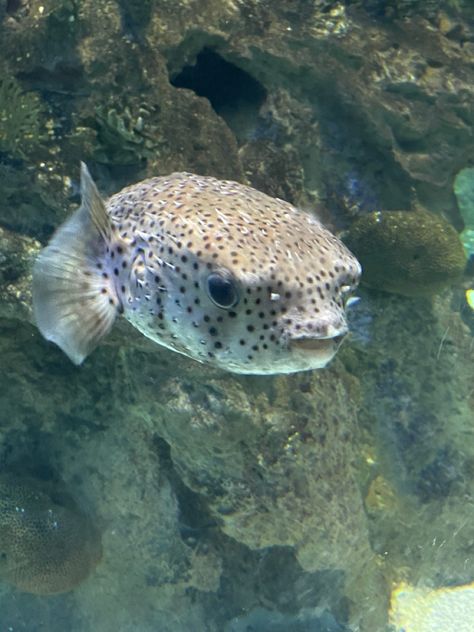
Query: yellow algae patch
380 496
426 610
470 298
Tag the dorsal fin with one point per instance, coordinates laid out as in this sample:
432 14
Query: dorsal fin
93 202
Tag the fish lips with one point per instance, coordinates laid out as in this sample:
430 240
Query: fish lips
322 346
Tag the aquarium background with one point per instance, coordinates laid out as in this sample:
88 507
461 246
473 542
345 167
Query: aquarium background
218 503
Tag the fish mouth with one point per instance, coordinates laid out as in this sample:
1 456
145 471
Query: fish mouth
306 343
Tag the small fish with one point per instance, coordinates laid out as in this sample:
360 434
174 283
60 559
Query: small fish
212 269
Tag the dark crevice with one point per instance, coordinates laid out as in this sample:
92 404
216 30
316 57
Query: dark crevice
194 517
228 88
13 6
64 78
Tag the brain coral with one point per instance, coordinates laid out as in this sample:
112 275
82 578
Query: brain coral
47 545
409 253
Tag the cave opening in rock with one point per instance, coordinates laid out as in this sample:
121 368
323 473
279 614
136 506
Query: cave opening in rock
232 92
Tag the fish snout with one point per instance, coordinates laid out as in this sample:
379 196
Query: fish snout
333 331
322 337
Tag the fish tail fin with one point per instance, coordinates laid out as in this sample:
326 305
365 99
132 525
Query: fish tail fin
74 297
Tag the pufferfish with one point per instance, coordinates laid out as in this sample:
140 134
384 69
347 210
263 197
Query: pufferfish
211 269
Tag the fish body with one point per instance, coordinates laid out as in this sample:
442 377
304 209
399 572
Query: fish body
212 269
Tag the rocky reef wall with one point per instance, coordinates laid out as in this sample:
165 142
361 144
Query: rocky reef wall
220 498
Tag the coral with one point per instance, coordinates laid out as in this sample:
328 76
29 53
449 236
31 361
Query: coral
124 138
16 258
276 172
464 191
409 253
20 118
47 545
33 199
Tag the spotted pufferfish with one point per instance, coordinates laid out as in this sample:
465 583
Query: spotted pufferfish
211 269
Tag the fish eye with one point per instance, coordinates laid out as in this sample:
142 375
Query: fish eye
222 290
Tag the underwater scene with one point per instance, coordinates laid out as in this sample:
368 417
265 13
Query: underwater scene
236 316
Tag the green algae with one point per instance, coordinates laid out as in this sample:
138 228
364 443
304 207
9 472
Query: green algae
409 253
464 191
21 115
